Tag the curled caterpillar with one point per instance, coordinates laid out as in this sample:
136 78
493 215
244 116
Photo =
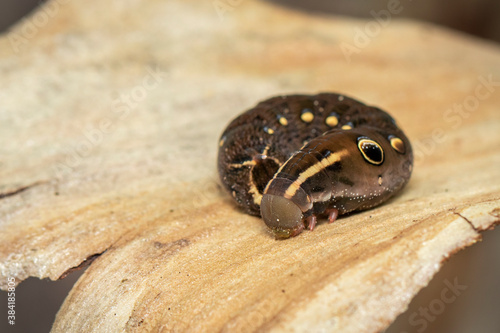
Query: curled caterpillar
293 158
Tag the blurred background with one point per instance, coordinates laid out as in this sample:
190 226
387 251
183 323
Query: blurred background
469 280
480 18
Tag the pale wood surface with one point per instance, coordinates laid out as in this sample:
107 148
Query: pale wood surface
83 172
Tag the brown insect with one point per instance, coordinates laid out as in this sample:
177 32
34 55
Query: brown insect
293 158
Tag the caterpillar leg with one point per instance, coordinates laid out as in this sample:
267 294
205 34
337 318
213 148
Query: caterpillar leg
311 222
332 215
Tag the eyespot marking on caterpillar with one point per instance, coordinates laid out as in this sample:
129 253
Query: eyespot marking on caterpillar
371 151
291 174
397 144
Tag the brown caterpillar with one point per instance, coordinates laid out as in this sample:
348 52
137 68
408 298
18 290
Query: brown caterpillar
293 158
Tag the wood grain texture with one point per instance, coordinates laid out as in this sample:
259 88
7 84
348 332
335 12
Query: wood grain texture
111 114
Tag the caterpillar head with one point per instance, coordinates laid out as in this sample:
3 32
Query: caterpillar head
281 215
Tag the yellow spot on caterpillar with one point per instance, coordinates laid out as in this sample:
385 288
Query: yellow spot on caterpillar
269 130
307 116
397 144
380 180
283 121
346 127
332 121
312 170
221 142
